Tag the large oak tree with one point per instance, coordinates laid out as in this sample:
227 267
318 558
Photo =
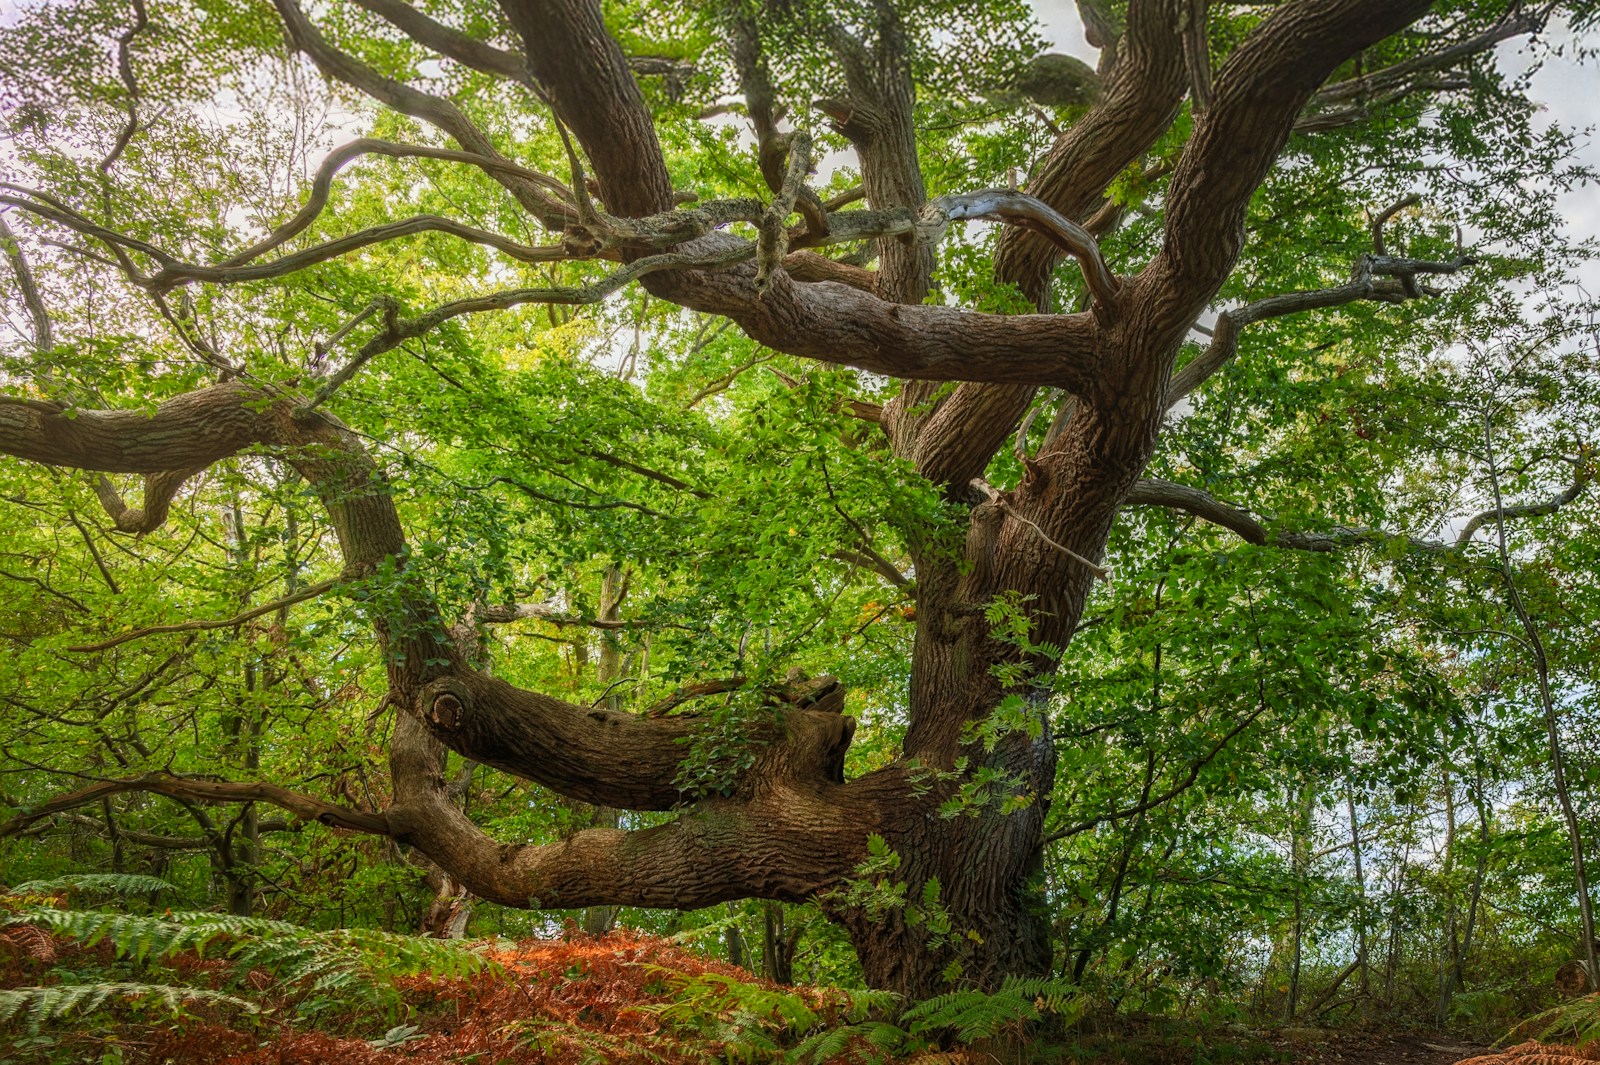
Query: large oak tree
1192 107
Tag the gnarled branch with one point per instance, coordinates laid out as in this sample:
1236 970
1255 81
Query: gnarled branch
444 114
1029 212
159 490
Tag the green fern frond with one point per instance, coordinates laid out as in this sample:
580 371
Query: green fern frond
883 1042
977 1015
362 961
112 883
43 1004
1576 1022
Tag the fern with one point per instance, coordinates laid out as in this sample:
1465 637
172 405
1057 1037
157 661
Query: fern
1576 1022
552 1036
883 1041
972 1015
756 1023
53 1003
359 965
113 883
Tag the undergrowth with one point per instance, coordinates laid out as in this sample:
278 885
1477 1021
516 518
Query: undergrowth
92 983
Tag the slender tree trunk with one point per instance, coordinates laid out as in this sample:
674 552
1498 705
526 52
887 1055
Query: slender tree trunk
777 944
243 729
1114 899
1363 966
1449 942
1396 903
1300 859
1478 876
733 939
1541 665
119 862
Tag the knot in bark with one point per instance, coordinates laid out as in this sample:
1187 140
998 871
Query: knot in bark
444 704
581 241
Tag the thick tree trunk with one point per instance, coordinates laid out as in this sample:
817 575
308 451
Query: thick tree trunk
988 918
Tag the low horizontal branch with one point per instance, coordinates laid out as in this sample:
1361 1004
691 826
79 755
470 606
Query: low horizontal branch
1253 529
171 843
195 790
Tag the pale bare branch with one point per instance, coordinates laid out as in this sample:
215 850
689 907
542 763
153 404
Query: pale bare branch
1383 278
1029 212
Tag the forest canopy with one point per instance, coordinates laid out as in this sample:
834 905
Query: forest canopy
958 509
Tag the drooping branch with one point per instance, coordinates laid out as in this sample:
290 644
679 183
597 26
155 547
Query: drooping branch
1029 212
43 338
197 790
119 244
998 500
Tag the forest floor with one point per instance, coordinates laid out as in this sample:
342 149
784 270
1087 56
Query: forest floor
623 998
1329 1047
1164 1043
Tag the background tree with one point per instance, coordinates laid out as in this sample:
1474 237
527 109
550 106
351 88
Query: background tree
1232 172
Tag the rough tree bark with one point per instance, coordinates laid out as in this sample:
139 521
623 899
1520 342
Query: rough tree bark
792 827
